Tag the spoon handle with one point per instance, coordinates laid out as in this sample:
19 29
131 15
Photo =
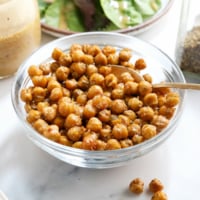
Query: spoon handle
192 86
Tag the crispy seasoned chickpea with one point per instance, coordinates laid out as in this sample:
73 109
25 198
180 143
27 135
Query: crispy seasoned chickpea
73 120
168 112
101 145
126 76
94 90
120 131
83 83
148 131
160 195
107 50
40 81
100 59
62 73
124 119
75 133
135 104
105 133
33 70
89 111
56 94
136 186
65 108
104 115
140 64
33 115
75 47
88 59
130 88
26 95
77 56
113 59
147 77
96 79
172 99
155 185
101 102
130 114
39 93
78 145
137 139
90 69
125 54
65 59
56 53
59 121
52 133
71 84
104 70
126 143
146 113
76 93
111 81
49 113
118 106
53 84
78 69
134 129
150 99
40 125
94 124
90 141
54 66
64 140
41 105
113 144
144 87
81 99
160 121
94 50
161 100
117 93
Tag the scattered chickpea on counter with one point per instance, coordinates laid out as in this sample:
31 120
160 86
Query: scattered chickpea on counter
76 101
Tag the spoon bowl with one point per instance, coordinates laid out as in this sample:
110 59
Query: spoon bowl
117 70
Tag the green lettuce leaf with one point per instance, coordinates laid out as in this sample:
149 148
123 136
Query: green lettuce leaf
121 12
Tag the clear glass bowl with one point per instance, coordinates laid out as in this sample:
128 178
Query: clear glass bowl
161 68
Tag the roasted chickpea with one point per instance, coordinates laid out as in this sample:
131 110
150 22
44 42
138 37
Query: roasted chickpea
160 121
130 114
137 139
94 50
78 69
83 83
101 102
136 186
126 143
75 133
130 88
78 145
94 124
65 59
64 141
125 54
73 120
125 77
101 145
90 69
71 84
107 50
155 185
26 95
97 79
52 133
59 121
40 125
113 144
56 53
148 131
62 73
77 56
147 77
146 113
144 87
89 111
120 131
94 90
33 115
140 64
168 112
160 195
105 133
113 59
172 99
111 81
117 93
135 104
151 99
33 70
104 115
53 84
49 113
100 59
56 94
90 141
118 106
39 93
88 59
40 81
81 99
134 129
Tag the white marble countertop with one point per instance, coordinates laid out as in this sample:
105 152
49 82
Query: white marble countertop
28 173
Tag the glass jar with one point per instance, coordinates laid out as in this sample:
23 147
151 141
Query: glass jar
188 40
20 33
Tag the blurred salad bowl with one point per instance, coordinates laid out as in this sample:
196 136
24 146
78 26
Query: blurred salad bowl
60 17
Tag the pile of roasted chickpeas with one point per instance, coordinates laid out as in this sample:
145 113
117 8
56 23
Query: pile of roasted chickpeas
76 100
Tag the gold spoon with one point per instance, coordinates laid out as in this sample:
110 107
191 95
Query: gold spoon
117 70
